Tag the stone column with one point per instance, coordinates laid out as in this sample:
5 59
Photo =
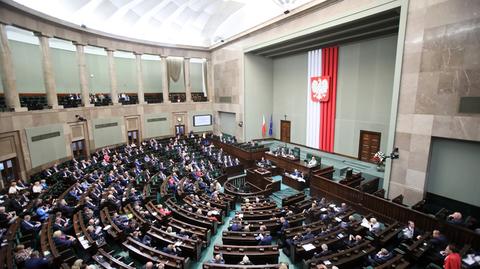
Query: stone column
186 73
165 79
209 80
12 100
113 77
83 77
48 75
141 94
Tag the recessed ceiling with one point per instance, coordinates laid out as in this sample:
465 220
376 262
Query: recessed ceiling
182 22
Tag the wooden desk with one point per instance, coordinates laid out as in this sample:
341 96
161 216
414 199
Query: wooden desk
246 157
322 187
294 183
257 254
262 180
288 164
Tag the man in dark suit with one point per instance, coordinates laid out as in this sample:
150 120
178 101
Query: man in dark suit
35 262
30 226
265 239
325 251
62 241
381 257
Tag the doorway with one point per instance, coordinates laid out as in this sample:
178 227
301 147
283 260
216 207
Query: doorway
78 149
369 144
179 129
9 170
285 131
133 137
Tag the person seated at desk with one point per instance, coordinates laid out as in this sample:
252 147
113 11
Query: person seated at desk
218 259
354 240
245 261
236 227
94 234
409 232
264 239
325 251
297 175
36 262
63 241
374 226
455 218
264 163
28 225
438 240
381 257
171 249
312 162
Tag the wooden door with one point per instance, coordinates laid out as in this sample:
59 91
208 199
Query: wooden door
369 145
9 171
285 131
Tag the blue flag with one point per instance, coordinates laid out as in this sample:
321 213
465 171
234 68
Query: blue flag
270 130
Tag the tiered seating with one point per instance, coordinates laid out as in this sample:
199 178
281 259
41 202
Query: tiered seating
3 105
69 100
149 201
33 101
257 254
100 99
154 98
128 98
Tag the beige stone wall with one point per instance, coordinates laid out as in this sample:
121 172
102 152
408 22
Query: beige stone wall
441 63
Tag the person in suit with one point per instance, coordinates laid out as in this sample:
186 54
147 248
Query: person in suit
35 262
285 225
170 249
438 240
409 233
63 241
65 208
6 218
374 226
218 259
354 240
61 225
381 257
296 173
14 204
312 162
264 239
324 252
236 227
27 225
455 218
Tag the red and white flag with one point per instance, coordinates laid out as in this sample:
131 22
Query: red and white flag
264 127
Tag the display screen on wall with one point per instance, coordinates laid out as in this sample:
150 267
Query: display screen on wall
202 120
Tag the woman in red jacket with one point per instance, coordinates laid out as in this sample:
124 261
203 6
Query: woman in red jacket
452 259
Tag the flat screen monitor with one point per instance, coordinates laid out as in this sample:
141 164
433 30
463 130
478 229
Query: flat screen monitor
202 120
